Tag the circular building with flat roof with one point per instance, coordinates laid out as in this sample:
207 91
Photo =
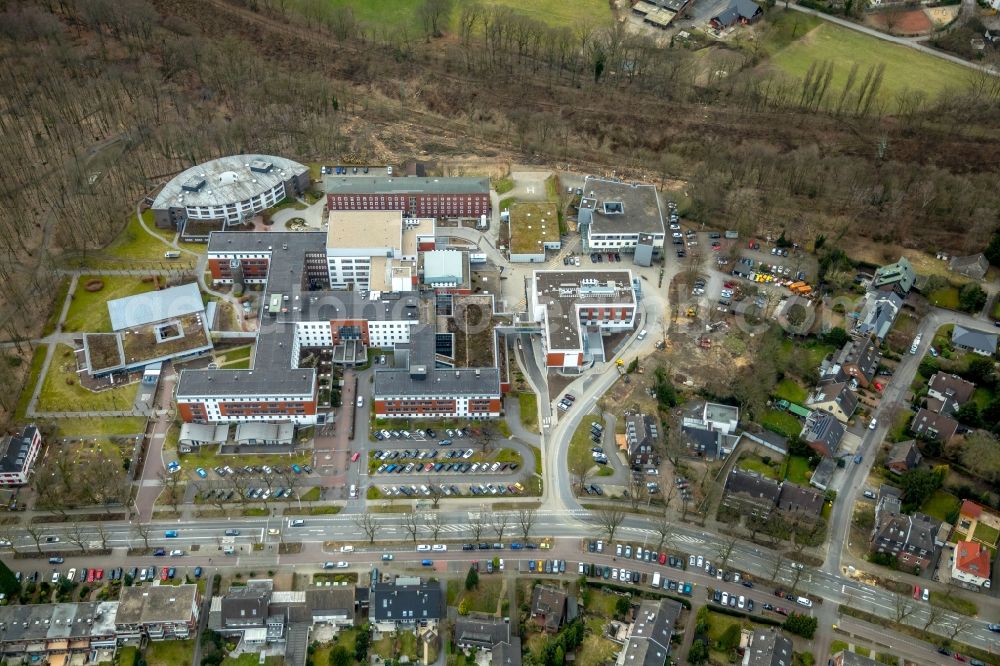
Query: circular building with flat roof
229 190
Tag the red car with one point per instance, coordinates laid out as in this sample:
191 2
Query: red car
663 558
354 458
959 657
729 285
782 611
163 574
90 575
916 591
879 386
100 574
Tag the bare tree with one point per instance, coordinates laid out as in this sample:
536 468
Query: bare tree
143 529
411 523
498 521
637 491
102 534
172 487
526 520
725 551
610 520
477 525
76 536
962 624
934 615
366 523
778 561
433 15
240 487
436 493
580 469
488 435
903 606
665 531
36 536
435 524
796 576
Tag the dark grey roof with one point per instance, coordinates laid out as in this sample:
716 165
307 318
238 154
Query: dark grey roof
405 185
639 211
795 499
14 450
649 642
972 338
508 654
550 603
848 658
822 427
904 453
245 607
951 386
39 622
702 440
269 381
862 354
974 266
911 533
752 485
332 599
837 392
482 632
929 424
769 647
823 473
392 602
229 179
278 243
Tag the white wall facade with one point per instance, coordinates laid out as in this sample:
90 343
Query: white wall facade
234 212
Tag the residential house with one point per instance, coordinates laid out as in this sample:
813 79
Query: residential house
702 442
405 603
974 266
743 12
159 612
912 539
970 515
804 502
507 654
481 632
768 647
836 398
950 392
549 607
648 643
983 343
64 633
903 456
848 658
18 455
878 314
823 431
927 424
750 493
195 435
247 615
898 277
334 606
859 359
971 564
642 435
823 473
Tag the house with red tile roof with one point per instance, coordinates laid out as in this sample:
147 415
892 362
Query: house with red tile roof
971 564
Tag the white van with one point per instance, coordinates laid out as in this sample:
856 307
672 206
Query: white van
361 401
655 584
803 601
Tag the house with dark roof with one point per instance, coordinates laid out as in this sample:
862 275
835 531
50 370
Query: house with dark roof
912 539
898 277
804 502
481 632
836 398
507 654
974 266
768 647
927 424
878 314
983 343
549 607
971 564
859 359
903 456
702 442
405 603
750 493
641 435
950 390
245 614
648 642
823 431
743 12
848 658
18 454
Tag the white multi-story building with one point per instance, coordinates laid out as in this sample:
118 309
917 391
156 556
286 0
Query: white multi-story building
375 249
18 455
622 217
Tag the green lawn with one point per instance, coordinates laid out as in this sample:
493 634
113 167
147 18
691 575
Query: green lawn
89 311
946 297
135 245
169 653
782 423
940 505
37 361
796 42
59 395
529 410
790 390
602 604
84 426
57 306
798 470
996 309
321 656
986 534
393 646
755 464
249 659
815 352
837 646
504 185
596 649
580 445
982 396
401 13
484 597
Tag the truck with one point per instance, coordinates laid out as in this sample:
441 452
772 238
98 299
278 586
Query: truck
620 364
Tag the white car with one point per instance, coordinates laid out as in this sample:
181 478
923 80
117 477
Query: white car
741 602
691 560
871 426
700 562
423 548
176 553
501 565
725 599
342 565
468 453
347 549
926 595
440 548
72 576
55 577
614 574
579 568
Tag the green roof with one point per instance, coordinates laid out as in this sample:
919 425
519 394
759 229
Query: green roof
532 225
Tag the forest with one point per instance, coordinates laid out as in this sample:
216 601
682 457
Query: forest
106 99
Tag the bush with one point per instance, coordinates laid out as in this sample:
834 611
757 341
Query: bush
801 625
471 579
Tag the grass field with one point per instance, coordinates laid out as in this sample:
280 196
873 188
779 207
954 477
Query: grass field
58 395
401 13
596 649
169 653
37 361
755 464
89 311
798 470
134 244
529 410
796 41
788 389
782 423
940 505
986 534
579 446
946 297
483 598
97 427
